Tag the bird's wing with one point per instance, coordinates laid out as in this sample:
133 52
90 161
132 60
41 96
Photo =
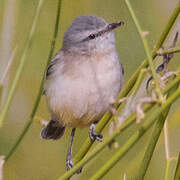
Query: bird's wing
50 67
122 69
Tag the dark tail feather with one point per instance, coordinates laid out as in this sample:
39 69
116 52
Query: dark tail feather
54 130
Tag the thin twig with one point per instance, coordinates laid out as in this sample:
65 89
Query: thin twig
168 51
27 126
177 172
153 141
167 152
8 67
124 178
157 130
1 167
2 79
166 144
147 50
130 106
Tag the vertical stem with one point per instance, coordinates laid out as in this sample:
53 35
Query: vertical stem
153 141
1 167
21 64
151 146
2 79
7 33
167 170
36 104
147 50
177 173
166 143
10 60
168 27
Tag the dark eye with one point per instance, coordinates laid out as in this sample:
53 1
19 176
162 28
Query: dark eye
91 36
110 26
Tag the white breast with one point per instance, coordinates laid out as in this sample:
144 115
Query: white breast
79 92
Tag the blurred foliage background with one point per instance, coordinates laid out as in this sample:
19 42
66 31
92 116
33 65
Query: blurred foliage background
36 159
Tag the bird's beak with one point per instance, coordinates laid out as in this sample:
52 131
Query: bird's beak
112 26
107 29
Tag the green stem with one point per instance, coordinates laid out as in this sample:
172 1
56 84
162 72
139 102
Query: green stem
168 51
27 126
128 86
166 147
151 146
157 110
167 29
147 50
2 79
177 172
21 64
167 170
153 141
139 81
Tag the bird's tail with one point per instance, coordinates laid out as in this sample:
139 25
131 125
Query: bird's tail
54 130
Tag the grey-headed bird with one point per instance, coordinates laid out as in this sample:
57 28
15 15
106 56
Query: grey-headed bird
82 79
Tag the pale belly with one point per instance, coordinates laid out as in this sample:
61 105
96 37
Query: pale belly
81 97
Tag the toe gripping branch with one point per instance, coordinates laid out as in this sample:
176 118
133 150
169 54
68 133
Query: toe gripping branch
166 60
94 136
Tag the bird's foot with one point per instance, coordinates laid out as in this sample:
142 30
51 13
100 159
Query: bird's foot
69 163
94 136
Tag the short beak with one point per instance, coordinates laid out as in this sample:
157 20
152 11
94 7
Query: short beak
112 26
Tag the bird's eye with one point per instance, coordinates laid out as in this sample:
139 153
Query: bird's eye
110 26
91 36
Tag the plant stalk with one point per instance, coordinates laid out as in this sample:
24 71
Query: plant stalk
153 141
27 126
177 172
21 63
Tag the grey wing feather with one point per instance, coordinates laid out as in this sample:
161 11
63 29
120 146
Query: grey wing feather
50 67
122 69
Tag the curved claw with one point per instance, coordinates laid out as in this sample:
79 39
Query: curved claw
94 136
69 164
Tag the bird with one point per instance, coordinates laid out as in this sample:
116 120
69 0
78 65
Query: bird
82 79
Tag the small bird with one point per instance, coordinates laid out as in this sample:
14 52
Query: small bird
82 79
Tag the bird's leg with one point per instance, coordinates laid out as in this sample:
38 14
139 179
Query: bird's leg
94 136
69 161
